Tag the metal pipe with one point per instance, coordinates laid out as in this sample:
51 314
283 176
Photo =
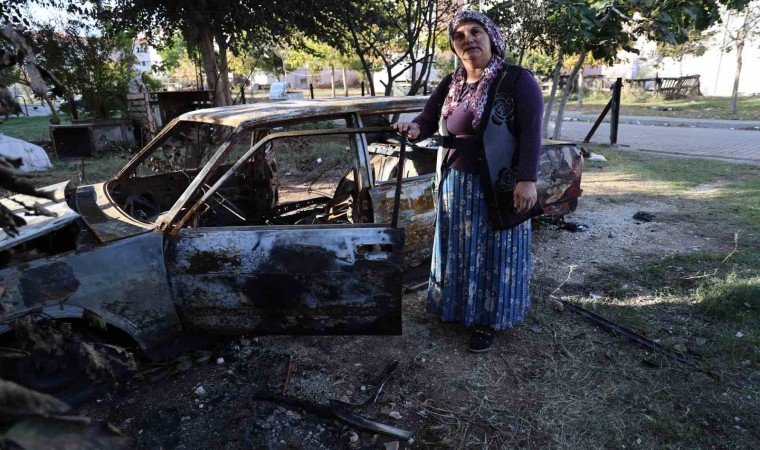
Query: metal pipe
399 177
598 122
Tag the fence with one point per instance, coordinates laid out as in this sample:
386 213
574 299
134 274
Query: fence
670 88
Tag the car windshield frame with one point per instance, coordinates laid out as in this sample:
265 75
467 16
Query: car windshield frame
176 219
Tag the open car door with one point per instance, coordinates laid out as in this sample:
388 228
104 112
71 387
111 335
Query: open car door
297 267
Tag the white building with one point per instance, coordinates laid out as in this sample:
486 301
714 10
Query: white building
146 55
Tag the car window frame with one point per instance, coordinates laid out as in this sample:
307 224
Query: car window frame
177 220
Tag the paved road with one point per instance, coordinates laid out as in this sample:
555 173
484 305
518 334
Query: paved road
740 145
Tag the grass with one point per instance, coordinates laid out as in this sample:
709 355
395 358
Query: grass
96 170
32 129
701 303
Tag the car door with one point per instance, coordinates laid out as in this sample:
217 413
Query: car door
296 262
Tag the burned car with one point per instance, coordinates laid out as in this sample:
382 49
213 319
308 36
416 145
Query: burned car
261 218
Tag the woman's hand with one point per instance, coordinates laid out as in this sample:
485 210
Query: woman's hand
525 196
411 129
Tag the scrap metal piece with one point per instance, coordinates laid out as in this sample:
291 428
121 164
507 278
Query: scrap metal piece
287 375
361 422
624 332
337 412
382 379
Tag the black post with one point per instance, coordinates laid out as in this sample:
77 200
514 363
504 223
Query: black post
362 89
424 88
615 119
242 94
399 177
311 90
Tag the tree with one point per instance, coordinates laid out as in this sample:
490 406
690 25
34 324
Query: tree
315 56
213 27
98 68
745 30
523 23
603 28
398 34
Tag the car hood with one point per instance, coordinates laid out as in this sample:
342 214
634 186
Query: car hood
38 225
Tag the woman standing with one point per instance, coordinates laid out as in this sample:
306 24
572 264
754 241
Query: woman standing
479 275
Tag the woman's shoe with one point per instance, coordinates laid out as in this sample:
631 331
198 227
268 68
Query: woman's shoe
482 340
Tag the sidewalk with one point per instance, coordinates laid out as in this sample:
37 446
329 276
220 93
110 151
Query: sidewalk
739 142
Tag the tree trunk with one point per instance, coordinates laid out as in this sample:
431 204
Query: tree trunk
580 89
389 85
566 95
367 74
55 119
203 38
223 80
345 83
552 94
332 80
740 38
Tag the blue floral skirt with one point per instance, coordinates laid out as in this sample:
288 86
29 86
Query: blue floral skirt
478 275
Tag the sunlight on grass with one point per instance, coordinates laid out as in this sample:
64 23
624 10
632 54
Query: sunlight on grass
733 299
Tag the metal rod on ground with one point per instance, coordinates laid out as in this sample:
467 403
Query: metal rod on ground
623 331
311 90
615 119
399 176
287 375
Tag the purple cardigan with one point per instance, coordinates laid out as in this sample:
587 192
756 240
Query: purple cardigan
529 105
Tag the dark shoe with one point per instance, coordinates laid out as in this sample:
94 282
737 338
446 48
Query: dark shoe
482 341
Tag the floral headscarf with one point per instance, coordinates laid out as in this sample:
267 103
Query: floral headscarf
478 98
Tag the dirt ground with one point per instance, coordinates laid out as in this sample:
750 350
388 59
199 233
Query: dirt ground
546 384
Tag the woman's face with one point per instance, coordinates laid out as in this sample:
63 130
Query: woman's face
472 44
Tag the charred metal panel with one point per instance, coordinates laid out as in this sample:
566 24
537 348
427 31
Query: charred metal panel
559 180
290 280
263 113
37 225
124 282
104 219
416 215
51 282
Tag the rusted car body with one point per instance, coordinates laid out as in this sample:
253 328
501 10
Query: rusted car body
263 218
